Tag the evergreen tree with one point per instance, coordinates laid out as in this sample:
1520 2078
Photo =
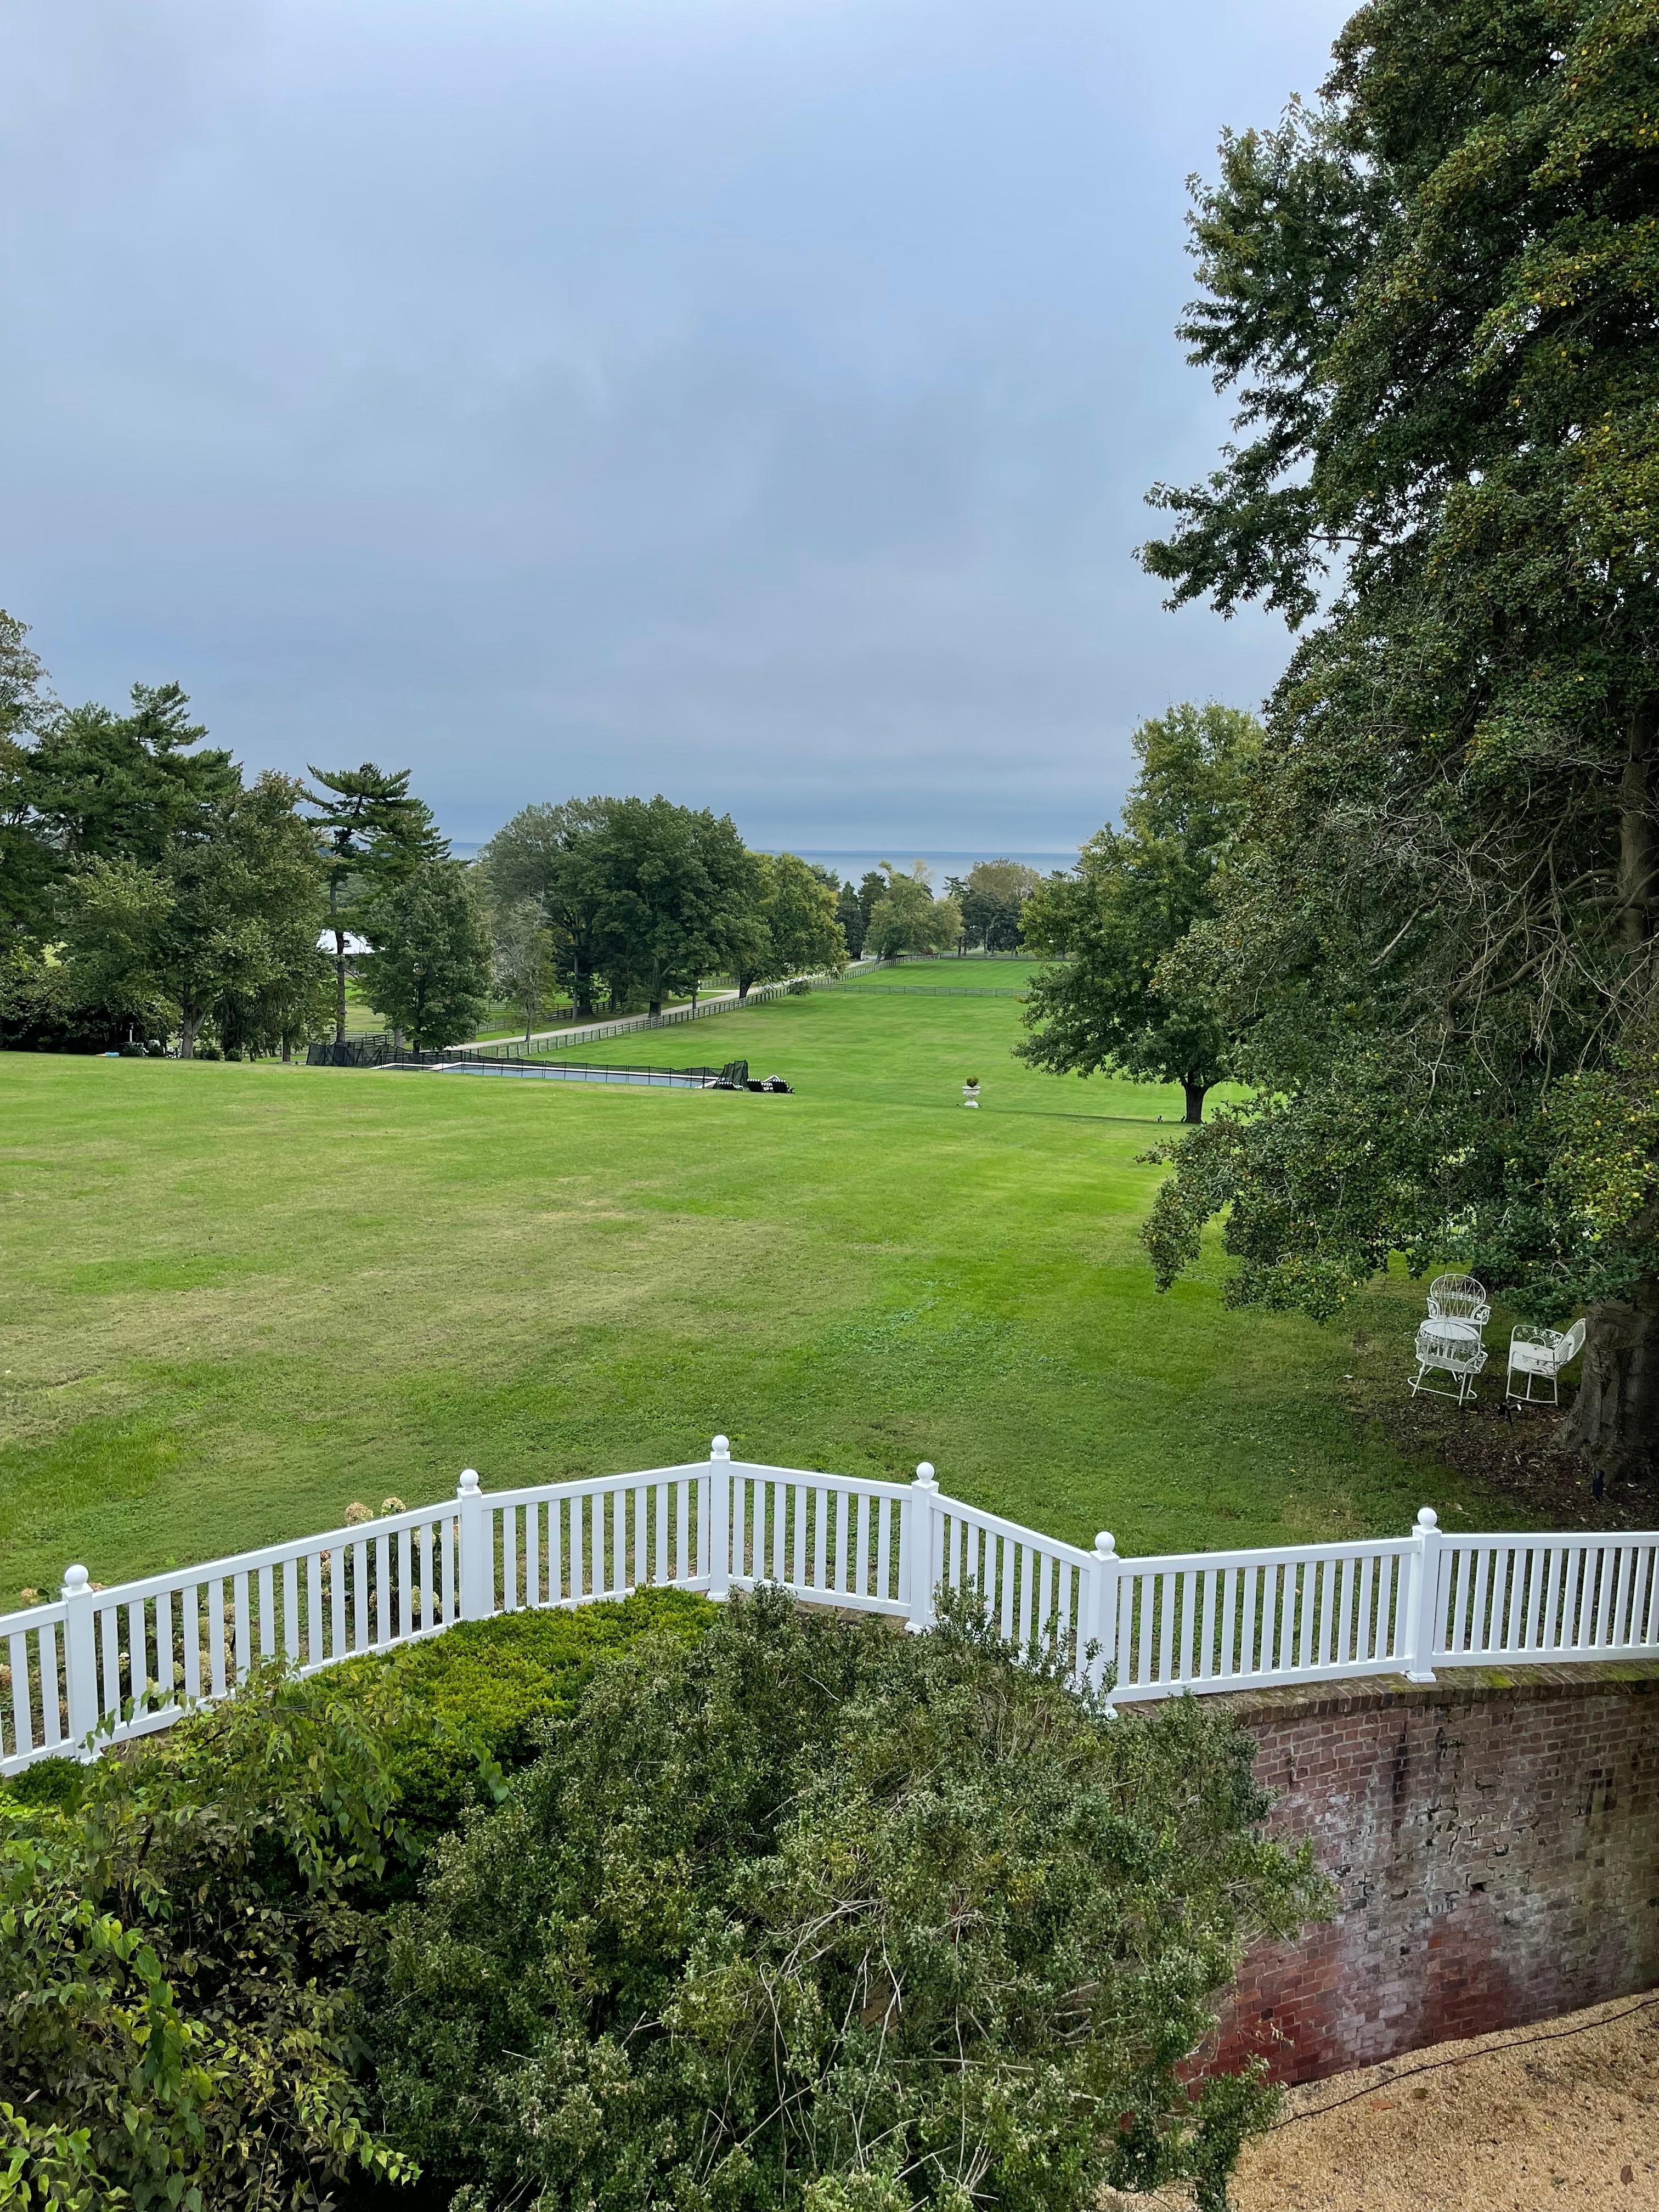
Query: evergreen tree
374 835
429 971
224 924
850 913
106 786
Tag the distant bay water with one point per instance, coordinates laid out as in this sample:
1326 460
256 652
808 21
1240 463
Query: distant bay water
849 867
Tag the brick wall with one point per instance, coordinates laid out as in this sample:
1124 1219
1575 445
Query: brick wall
1494 1838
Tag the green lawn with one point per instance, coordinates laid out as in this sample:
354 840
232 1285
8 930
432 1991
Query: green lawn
973 972
235 1298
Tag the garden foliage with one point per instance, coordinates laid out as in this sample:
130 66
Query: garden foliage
807 1913
1432 293
184 1929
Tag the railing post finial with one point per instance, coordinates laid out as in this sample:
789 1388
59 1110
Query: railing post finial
1422 1597
476 1531
917 1545
719 1518
80 1657
1098 1627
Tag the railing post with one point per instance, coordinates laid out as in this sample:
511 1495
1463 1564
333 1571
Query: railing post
916 1540
719 1480
1101 1629
478 1559
1421 1611
80 1657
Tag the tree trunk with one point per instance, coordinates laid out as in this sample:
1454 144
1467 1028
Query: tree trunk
1615 1420
188 1026
1195 1100
743 990
288 1048
1638 839
339 959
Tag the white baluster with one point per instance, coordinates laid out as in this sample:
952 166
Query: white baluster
718 1479
80 1656
916 1540
1422 1597
477 1553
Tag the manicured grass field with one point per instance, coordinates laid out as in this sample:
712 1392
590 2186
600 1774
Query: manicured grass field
234 1298
972 972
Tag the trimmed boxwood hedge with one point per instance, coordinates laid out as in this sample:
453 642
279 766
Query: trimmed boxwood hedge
475 1701
479 1697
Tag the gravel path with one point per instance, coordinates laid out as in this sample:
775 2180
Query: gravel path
1564 2115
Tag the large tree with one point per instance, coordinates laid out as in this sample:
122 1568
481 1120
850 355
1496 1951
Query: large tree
1436 293
793 925
375 835
677 897
112 787
1133 895
224 925
552 854
431 967
906 917
992 897
524 958
27 862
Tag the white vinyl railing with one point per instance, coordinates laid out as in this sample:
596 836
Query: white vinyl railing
101 1665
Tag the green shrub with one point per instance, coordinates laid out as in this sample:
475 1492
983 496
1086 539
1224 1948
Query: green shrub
472 1704
802 1913
178 2025
184 1929
60 1782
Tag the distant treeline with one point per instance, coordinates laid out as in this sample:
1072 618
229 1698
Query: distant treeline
152 899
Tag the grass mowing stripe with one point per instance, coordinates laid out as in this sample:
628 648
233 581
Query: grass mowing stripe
235 1298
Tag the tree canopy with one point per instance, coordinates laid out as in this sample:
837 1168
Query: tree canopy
224 924
906 917
375 834
794 925
992 898
1132 897
1433 291
802 1914
430 970
551 854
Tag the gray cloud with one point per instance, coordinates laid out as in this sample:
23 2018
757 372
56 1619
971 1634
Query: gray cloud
751 399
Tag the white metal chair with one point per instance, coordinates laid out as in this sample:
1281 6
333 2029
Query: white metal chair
1459 1298
1541 1354
1452 1347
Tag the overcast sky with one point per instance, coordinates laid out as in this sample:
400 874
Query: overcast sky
749 399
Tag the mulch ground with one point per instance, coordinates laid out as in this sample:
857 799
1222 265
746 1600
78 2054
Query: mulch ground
1564 2115
1512 1449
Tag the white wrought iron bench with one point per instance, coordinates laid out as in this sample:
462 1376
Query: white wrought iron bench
1451 1347
1459 1298
1541 1354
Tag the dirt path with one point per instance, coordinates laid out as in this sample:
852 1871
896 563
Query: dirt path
1518 2124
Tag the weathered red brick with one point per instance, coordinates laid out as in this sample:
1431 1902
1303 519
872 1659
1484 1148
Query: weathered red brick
1493 1843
